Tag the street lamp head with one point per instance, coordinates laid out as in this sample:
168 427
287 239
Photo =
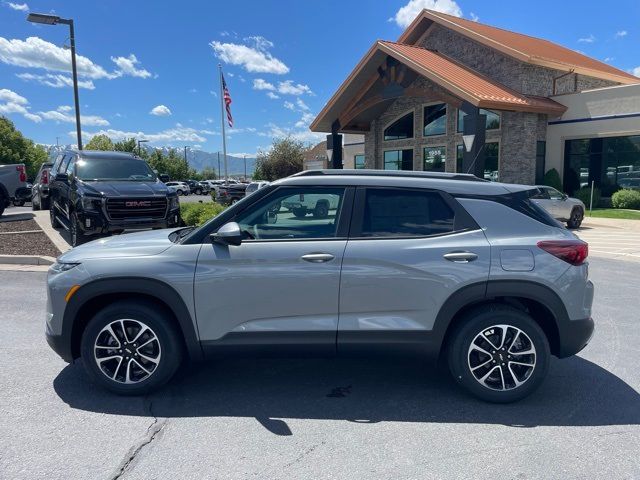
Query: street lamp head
43 18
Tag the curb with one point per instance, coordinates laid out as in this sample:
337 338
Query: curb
26 260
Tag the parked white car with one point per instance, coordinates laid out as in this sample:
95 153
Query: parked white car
254 187
181 188
560 206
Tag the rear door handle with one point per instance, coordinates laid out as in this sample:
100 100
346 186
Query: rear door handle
317 257
460 257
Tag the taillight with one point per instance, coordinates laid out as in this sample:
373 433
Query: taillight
23 174
45 177
574 252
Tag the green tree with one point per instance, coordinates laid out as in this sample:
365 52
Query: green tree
283 159
208 173
15 148
127 145
99 142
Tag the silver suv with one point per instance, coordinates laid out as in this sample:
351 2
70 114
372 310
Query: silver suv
442 265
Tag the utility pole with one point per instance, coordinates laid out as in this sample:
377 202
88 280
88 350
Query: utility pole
218 164
245 167
185 154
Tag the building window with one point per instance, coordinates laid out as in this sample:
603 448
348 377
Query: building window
493 120
434 159
491 161
611 163
400 129
541 150
398 159
459 157
358 161
435 119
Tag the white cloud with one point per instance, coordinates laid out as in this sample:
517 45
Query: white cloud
289 88
410 11
177 134
305 121
160 111
11 102
609 59
636 71
273 96
128 66
301 105
289 106
302 134
21 7
621 33
57 80
261 84
254 58
474 17
590 39
62 114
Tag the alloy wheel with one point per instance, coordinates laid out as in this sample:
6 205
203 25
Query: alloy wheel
501 357
127 351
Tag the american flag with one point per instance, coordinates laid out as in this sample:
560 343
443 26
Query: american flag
227 102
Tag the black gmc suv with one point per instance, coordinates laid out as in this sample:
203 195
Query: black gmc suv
95 193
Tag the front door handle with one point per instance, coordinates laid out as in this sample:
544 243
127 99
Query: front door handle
317 257
460 257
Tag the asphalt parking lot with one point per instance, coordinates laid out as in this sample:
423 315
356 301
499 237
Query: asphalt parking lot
315 418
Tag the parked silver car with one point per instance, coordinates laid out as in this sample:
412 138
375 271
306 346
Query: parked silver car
440 265
560 206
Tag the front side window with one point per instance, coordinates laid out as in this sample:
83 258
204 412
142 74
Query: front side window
358 160
435 158
293 213
492 123
405 213
398 159
435 119
400 129
110 169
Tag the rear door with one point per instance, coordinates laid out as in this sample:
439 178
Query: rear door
408 251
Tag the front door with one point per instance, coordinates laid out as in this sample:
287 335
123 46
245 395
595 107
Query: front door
280 286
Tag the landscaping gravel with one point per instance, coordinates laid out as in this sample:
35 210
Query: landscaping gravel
18 226
25 243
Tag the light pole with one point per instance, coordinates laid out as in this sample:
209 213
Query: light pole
54 20
185 154
245 168
139 142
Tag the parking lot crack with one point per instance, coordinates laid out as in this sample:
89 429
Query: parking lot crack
151 434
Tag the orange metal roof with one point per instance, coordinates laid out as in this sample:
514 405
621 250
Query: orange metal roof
466 83
523 47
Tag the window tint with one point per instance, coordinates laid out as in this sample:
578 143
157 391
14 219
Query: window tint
401 128
398 159
459 158
405 213
291 213
435 158
65 163
56 164
435 119
492 123
114 169
491 161
70 165
359 162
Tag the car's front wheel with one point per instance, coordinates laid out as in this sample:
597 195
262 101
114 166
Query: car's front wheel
131 348
75 232
575 220
499 354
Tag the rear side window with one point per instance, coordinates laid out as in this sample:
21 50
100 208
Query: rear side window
523 202
405 213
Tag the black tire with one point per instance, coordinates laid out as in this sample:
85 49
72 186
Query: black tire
300 212
44 203
234 201
2 203
75 232
179 192
168 347
575 220
35 205
52 217
18 203
198 191
321 210
461 356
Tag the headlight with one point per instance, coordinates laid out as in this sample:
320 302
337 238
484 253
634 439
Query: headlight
60 267
90 203
173 202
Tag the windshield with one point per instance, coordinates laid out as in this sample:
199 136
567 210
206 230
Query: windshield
122 169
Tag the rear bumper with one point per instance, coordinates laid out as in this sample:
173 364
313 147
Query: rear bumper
574 336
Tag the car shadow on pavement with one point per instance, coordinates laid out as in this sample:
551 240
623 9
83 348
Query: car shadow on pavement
577 392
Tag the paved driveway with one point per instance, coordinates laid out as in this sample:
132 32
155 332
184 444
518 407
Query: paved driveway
342 419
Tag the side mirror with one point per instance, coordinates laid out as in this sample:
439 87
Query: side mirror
62 177
228 234
565 196
272 217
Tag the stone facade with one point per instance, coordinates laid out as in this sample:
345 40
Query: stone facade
518 132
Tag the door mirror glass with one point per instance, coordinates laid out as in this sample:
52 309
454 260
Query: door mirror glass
62 177
228 234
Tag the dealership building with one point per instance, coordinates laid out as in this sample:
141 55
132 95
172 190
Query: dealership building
459 96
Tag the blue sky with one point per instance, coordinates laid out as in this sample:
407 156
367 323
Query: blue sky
149 69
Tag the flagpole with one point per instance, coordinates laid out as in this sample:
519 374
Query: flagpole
224 136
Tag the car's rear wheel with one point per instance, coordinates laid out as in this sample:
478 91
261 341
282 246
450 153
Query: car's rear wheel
198 191
300 212
179 192
234 201
321 210
499 354
2 203
35 205
44 203
575 220
131 348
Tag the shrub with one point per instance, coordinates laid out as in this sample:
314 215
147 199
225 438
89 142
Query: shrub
626 198
195 214
584 194
552 179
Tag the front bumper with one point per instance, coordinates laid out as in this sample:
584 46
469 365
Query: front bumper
574 336
94 223
61 344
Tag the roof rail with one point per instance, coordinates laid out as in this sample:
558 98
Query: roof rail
392 173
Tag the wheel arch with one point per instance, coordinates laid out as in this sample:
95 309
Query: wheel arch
99 293
539 301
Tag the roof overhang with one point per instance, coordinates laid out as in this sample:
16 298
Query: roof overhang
459 82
